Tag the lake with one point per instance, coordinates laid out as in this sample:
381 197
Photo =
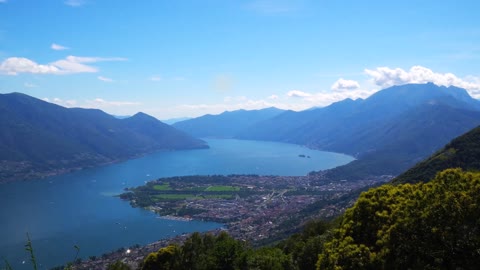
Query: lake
80 208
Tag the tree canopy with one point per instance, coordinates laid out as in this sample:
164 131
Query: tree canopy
434 225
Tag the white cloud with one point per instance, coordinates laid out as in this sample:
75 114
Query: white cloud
75 3
101 103
15 65
105 79
29 85
69 65
201 109
298 93
65 103
385 77
345 85
382 77
97 103
328 97
155 78
273 97
57 47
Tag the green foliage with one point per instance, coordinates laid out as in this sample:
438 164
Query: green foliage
462 152
222 188
164 186
29 248
269 259
8 266
167 258
118 265
202 252
422 226
305 246
208 252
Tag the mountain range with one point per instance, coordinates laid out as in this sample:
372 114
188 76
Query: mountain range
38 138
227 124
388 132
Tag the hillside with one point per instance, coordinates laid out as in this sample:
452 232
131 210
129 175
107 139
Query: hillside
409 139
39 138
227 124
427 220
462 152
388 132
430 225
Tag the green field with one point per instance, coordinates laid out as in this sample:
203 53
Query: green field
220 196
165 186
178 197
173 196
222 188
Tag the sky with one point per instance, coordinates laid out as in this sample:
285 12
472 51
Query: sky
189 58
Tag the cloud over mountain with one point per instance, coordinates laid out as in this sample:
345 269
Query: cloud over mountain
298 93
385 77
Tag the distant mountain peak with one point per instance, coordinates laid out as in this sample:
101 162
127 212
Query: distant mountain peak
143 116
226 124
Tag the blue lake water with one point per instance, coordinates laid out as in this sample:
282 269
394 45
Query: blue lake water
80 208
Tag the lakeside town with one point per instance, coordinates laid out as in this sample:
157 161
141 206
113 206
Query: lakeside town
256 209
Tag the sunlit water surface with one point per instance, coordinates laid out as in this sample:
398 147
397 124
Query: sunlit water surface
80 208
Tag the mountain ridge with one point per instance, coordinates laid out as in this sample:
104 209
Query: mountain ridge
40 138
226 124
397 124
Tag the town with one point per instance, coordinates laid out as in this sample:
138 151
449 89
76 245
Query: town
251 207
257 209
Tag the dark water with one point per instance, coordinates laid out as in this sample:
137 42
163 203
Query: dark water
80 209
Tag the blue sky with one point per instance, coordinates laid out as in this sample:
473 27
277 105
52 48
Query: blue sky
188 58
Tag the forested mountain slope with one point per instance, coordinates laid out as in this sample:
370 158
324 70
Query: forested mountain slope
462 152
38 138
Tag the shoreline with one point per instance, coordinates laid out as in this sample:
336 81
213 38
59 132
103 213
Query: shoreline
169 217
26 176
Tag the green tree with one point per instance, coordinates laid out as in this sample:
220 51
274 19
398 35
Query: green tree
167 258
422 226
269 259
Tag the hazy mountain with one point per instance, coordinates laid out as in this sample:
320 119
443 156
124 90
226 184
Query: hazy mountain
388 132
337 126
407 140
227 124
172 121
462 152
121 116
38 138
